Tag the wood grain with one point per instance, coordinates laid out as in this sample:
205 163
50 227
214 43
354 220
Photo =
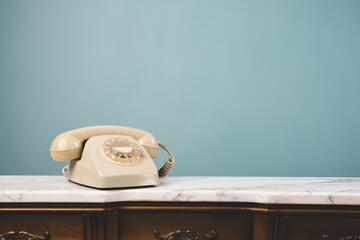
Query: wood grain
138 220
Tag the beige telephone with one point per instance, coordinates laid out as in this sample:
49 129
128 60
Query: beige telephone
110 156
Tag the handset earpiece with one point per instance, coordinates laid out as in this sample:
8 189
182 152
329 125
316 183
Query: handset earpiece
66 147
150 144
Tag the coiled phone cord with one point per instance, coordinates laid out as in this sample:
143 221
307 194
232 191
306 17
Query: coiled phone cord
168 164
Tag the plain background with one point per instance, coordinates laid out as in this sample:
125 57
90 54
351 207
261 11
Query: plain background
233 87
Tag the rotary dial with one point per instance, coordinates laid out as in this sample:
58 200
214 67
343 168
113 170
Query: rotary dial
120 151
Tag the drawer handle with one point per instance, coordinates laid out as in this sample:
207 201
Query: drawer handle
185 235
350 237
21 235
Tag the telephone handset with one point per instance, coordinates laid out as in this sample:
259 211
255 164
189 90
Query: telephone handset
110 156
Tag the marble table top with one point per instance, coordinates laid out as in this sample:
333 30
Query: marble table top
267 190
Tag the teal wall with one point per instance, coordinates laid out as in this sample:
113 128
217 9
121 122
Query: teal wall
233 87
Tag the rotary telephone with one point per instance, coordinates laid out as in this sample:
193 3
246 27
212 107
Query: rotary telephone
110 156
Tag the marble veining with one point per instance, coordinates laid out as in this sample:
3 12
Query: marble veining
268 190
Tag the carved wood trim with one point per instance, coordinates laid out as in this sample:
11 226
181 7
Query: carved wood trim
349 237
21 235
185 235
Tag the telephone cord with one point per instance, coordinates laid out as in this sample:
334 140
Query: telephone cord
169 164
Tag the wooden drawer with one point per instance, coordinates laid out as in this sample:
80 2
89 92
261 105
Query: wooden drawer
313 227
141 225
64 226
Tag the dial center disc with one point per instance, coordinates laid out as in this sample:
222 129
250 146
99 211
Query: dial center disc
122 151
121 147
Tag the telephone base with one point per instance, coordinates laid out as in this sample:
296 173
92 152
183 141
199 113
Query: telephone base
95 170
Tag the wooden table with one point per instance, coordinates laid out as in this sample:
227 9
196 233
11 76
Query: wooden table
223 208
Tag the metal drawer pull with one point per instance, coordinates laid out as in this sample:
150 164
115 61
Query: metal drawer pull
185 235
353 237
21 235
